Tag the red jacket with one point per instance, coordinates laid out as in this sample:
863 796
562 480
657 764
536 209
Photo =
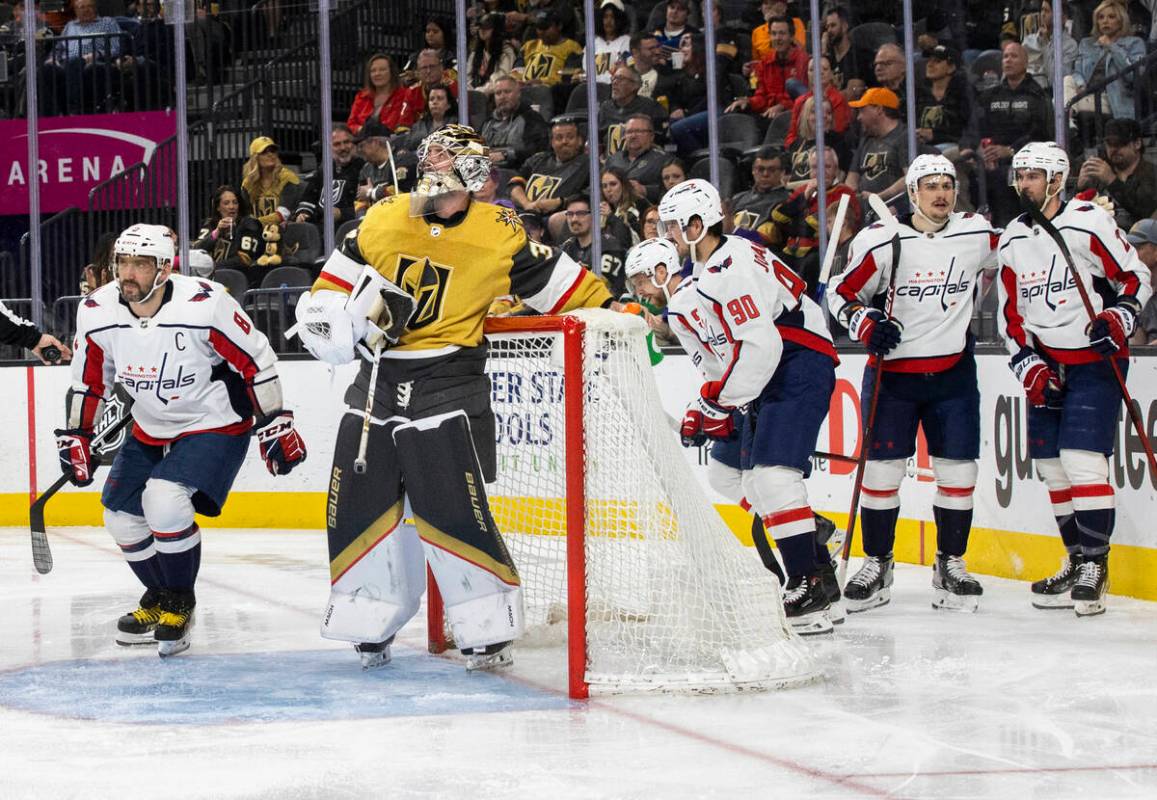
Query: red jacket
397 112
772 75
841 113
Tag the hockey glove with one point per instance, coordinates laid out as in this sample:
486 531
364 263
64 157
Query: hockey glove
281 444
1110 330
1102 200
1041 384
75 448
706 419
879 333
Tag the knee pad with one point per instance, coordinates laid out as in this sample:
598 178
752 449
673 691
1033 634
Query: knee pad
1053 474
728 481
955 482
771 489
881 487
168 506
1088 472
131 533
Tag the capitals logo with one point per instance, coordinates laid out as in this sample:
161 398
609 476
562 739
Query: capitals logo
1047 285
942 285
205 292
161 382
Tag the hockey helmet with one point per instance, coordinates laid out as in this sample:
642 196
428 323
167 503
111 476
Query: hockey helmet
1049 157
146 240
452 159
691 198
925 165
645 257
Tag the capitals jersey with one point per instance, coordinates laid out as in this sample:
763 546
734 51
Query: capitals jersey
1040 305
197 365
682 309
455 268
746 309
937 282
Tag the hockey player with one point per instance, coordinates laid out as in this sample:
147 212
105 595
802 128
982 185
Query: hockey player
438 259
653 274
921 332
748 312
202 378
1059 354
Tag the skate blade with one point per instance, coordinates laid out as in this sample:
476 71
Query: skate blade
135 639
961 603
814 624
1051 601
1089 608
489 662
172 648
881 598
837 613
372 661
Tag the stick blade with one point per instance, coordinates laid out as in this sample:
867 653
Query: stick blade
41 552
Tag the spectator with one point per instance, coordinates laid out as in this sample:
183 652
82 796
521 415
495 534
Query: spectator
547 178
625 102
646 58
578 246
612 39
841 114
687 96
491 55
674 29
563 9
270 187
1143 236
1122 172
75 76
674 172
489 193
761 46
382 97
944 102
1110 51
780 77
639 159
437 35
347 167
208 41
851 66
649 229
889 69
751 210
431 74
149 67
100 270
441 110
515 131
1009 115
230 235
12 31
798 168
545 57
880 162
377 179
1039 47
621 212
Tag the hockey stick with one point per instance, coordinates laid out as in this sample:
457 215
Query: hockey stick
363 443
393 169
833 246
866 432
41 552
1039 218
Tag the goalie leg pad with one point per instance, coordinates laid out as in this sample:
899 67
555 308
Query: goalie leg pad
469 559
377 568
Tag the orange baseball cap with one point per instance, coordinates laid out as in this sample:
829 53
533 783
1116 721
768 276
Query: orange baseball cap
878 96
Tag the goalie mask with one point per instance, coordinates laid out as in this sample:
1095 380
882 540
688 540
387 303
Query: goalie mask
452 159
143 241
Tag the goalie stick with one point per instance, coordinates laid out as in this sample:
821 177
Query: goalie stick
1047 226
41 552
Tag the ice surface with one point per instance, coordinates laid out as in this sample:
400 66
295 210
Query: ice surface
1010 702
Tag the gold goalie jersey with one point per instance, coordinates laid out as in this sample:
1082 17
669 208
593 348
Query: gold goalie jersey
455 268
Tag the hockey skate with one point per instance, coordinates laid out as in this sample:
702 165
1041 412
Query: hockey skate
490 657
831 584
805 603
871 586
374 655
175 624
956 590
137 626
1054 591
1092 583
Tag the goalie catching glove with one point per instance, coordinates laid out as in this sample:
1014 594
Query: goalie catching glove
281 445
705 418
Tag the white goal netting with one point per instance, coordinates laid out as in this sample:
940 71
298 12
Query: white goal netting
672 599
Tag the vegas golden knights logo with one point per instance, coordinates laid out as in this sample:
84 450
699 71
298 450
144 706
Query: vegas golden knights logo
933 117
875 165
266 204
539 67
614 138
541 187
799 164
746 219
426 282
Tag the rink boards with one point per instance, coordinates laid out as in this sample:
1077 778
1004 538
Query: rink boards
1014 534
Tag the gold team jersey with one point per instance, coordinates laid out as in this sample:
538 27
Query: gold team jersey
544 62
455 268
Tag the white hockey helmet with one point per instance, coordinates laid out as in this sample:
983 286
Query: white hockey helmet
925 165
451 159
146 240
691 198
1047 156
645 257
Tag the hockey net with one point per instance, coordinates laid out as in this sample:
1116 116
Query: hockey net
616 544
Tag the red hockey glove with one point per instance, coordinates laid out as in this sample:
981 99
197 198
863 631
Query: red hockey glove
705 418
281 444
1110 330
75 448
878 332
1042 386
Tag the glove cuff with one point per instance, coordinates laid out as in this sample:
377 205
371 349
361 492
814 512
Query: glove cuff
1024 361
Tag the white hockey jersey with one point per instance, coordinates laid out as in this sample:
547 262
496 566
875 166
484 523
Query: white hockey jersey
195 366
936 286
1040 305
723 316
